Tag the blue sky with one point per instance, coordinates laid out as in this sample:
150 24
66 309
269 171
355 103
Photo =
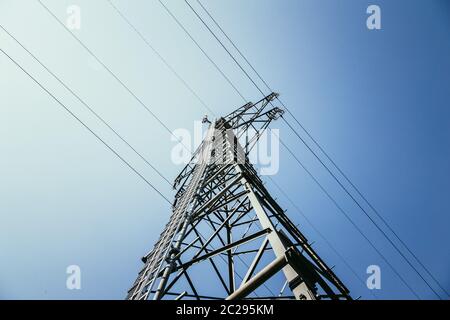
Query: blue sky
377 101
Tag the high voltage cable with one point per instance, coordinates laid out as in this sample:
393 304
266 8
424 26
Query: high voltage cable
87 127
114 75
203 51
87 106
304 129
159 55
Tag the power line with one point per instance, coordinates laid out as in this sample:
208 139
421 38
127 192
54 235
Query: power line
203 51
114 75
159 55
365 212
87 127
87 106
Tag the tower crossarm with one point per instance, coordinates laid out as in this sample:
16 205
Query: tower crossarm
252 119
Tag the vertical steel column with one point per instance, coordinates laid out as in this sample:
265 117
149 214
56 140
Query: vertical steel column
204 160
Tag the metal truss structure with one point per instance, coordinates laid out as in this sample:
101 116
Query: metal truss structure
227 237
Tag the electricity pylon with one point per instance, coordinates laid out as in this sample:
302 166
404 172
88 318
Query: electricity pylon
227 237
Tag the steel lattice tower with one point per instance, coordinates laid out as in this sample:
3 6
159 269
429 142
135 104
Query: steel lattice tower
227 237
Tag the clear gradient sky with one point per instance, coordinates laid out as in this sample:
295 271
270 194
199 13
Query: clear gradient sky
377 101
